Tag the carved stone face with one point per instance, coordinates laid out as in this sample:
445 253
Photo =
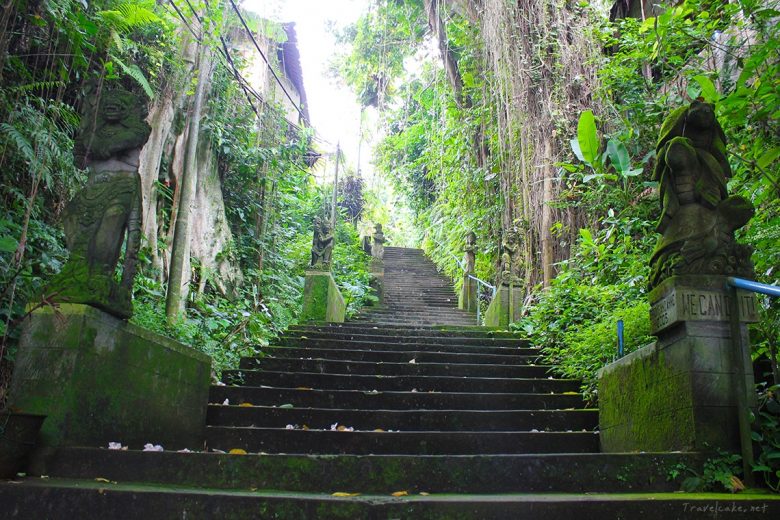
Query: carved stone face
112 124
701 115
116 106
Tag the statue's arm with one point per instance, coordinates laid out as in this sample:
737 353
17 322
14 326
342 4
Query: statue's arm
133 241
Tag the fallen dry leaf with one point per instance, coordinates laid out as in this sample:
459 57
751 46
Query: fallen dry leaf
303 388
101 479
424 494
400 493
378 430
343 494
736 484
246 404
237 451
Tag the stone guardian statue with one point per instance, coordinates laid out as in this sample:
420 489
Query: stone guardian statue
106 213
469 252
322 244
698 217
378 249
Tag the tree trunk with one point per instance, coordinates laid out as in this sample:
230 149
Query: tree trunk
450 65
177 290
547 239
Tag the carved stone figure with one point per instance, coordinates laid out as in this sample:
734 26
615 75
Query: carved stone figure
322 244
378 249
469 252
365 244
510 262
698 217
106 213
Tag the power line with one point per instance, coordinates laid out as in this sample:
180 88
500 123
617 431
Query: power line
224 53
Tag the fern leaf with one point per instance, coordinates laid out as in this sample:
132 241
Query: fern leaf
22 143
137 74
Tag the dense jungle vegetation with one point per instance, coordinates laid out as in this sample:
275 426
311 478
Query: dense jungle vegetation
240 296
538 117
541 118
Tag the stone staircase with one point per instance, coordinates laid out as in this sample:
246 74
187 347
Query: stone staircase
415 294
386 416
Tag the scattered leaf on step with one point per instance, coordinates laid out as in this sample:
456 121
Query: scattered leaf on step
303 388
287 405
571 393
424 494
413 361
226 402
378 430
237 451
246 404
735 484
400 493
304 427
343 494
101 479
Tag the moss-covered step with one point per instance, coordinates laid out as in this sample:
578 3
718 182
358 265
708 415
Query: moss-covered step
405 420
445 339
472 331
538 473
408 367
60 499
312 397
386 356
282 440
407 344
399 383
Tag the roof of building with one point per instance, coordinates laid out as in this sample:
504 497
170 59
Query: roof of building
290 58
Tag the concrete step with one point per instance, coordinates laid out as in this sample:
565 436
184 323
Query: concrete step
467 345
58 499
404 368
387 356
307 397
537 473
399 383
368 337
405 420
282 440
351 328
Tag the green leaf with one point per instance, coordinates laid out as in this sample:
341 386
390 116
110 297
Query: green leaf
575 147
708 90
8 244
135 72
618 154
587 137
769 157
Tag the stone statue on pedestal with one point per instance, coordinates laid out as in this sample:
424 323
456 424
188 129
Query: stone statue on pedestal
469 253
322 244
378 249
509 259
106 213
698 217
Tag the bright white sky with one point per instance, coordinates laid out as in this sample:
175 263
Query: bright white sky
334 110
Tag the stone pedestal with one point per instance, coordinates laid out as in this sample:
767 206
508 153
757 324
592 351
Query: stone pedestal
101 379
505 307
468 297
680 392
322 300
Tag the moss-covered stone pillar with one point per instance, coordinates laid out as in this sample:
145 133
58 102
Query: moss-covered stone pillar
680 393
467 299
322 300
505 307
101 379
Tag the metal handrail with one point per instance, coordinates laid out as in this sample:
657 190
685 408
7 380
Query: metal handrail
742 355
751 285
457 260
491 287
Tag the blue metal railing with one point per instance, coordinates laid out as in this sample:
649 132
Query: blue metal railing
741 358
479 305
